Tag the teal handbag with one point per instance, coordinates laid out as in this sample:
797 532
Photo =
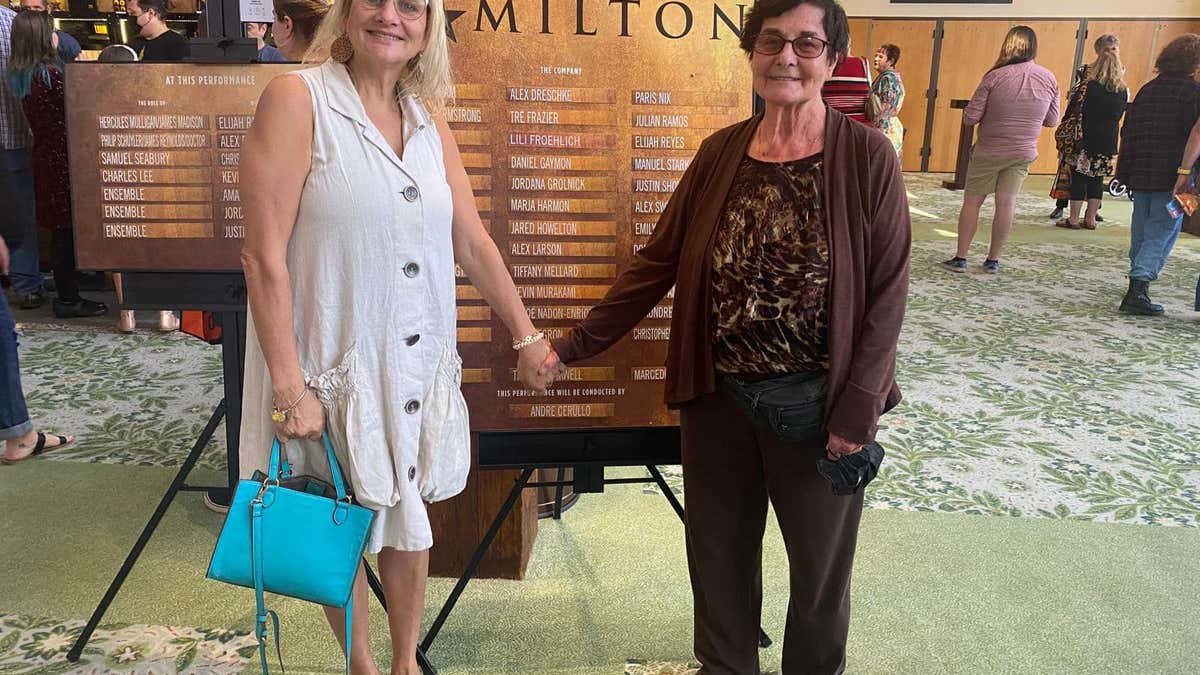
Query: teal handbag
293 543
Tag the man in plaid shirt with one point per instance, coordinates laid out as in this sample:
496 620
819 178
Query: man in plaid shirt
1150 161
15 141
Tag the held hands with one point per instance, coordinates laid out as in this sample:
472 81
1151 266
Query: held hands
838 447
529 366
306 420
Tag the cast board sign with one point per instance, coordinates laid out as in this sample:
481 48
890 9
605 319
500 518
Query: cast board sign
154 152
575 121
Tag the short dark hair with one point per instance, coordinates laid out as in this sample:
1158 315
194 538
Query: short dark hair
891 51
117 53
1180 58
835 23
159 7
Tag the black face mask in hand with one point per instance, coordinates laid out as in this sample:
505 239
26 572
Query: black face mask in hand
852 472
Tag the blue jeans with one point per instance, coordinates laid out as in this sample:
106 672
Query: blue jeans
1152 234
24 264
14 418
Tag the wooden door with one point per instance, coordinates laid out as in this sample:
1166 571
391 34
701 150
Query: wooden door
1169 30
969 48
915 40
1056 52
860 38
1137 47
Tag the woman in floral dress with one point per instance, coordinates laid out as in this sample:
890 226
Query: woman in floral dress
889 88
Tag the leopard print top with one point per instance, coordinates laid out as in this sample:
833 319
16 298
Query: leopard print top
771 271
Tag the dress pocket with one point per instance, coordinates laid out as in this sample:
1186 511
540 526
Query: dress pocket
444 453
356 430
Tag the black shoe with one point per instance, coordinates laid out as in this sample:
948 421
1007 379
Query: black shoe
1057 215
1099 218
1137 300
79 309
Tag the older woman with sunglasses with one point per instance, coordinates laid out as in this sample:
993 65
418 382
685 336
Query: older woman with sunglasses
787 243
357 207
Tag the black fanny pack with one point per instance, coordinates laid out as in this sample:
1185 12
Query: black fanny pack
792 407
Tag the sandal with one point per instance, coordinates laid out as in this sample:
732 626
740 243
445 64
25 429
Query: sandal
41 448
1066 222
1085 226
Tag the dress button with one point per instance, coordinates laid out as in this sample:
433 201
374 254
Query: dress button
412 340
412 269
411 193
412 473
412 407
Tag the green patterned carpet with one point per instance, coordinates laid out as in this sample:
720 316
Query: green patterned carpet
1027 396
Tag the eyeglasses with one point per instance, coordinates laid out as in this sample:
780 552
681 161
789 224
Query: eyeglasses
408 9
805 46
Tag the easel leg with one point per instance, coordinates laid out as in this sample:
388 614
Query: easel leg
764 640
476 559
147 532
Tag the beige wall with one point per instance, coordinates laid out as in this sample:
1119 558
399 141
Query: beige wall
1163 9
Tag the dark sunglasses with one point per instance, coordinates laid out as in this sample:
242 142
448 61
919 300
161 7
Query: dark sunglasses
805 46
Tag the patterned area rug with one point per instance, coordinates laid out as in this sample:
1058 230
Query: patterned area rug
130 399
1027 394
36 645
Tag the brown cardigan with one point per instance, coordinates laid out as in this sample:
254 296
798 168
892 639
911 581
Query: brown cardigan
869 230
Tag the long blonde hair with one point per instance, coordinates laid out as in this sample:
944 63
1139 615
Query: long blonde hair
426 76
1020 45
1108 71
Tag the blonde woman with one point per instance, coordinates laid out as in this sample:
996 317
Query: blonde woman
1016 98
1105 97
357 207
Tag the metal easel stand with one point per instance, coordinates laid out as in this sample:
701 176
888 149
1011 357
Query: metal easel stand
523 482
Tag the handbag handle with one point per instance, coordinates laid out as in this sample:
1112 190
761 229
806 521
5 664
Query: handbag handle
334 470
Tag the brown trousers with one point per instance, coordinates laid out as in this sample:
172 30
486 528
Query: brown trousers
730 469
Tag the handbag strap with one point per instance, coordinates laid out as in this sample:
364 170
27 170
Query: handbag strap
335 471
261 614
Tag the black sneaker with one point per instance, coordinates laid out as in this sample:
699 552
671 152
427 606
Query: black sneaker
956 265
1057 214
991 266
1099 218
79 309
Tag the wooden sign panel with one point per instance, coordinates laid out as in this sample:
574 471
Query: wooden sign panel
575 121
154 152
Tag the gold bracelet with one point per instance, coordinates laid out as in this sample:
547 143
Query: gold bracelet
280 416
528 340
1183 172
